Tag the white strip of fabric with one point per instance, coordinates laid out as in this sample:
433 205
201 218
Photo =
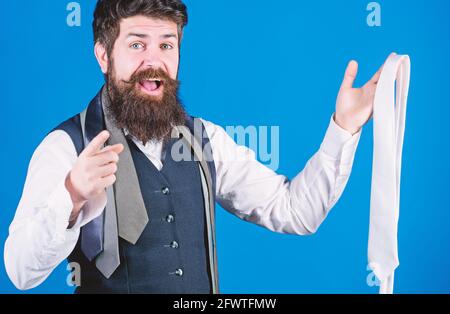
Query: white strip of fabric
389 113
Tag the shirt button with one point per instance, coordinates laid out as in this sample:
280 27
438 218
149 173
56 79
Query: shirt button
170 218
165 190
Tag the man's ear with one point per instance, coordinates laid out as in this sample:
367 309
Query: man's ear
102 57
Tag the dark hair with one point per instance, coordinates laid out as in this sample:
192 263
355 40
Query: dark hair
109 13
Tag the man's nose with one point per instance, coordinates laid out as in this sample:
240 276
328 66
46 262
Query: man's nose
152 58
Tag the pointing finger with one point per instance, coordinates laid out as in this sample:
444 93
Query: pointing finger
96 144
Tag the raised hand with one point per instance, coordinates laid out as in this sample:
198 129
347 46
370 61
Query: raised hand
93 172
354 106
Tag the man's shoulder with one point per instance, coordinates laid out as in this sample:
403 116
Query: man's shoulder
211 128
216 132
56 144
72 124
72 128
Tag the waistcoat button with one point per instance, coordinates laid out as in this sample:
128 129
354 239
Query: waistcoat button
165 190
179 272
170 218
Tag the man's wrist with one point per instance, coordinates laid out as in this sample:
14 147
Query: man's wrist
344 125
77 202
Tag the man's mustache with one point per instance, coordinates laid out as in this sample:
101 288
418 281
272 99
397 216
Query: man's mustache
150 73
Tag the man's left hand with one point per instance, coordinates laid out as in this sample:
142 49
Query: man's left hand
354 106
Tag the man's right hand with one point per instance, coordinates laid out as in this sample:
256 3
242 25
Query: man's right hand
92 173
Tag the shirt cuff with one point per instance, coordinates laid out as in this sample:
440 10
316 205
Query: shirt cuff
339 143
91 210
61 205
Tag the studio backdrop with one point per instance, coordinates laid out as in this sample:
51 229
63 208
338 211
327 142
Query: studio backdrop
275 67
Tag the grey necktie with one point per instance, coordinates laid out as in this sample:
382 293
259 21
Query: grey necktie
108 261
125 213
131 212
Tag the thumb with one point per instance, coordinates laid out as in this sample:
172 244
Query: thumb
350 74
117 148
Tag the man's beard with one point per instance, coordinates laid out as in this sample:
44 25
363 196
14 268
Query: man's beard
146 117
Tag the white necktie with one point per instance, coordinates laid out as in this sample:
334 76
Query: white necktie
388 132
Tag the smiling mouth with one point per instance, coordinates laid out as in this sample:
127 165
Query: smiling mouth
152 86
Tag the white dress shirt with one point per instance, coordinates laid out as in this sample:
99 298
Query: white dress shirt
39 238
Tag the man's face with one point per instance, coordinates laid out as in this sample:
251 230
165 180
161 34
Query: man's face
141 74
145 43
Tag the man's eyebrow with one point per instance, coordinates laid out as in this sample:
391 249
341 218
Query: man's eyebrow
165 36
137 35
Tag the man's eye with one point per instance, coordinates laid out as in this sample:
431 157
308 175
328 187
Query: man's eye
166 46
137 46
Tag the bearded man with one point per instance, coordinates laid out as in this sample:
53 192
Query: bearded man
107 189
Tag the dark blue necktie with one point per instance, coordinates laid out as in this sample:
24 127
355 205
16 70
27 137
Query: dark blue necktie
92 238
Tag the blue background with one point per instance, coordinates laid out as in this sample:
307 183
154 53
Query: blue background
49 73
